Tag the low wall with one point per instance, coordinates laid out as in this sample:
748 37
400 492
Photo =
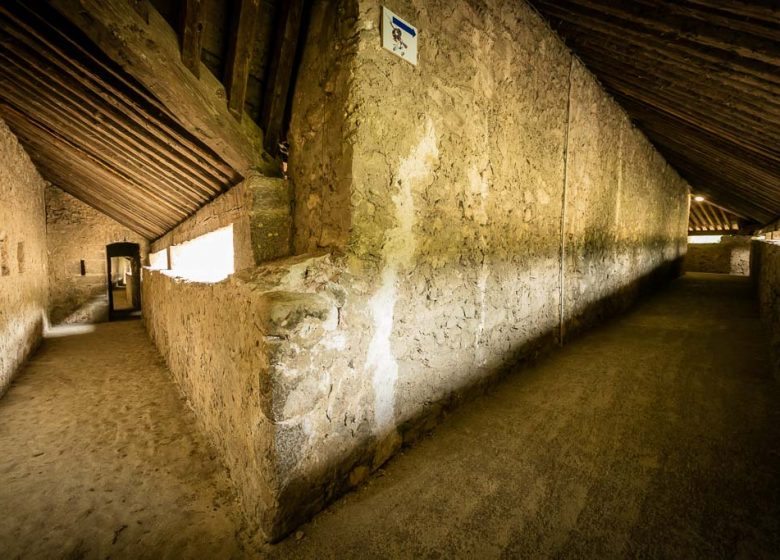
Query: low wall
765 277
730 256
23 281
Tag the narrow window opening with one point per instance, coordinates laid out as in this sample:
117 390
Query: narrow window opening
5 268
20 256
83 268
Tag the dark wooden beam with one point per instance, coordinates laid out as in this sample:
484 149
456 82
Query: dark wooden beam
42 137
651 72
684 31
280 74
584 17
192 26
240 48
141 8
767 12
69 125
150 53
746 24
70 93
660 55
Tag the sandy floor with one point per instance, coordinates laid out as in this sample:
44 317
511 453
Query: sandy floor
100 459
657 436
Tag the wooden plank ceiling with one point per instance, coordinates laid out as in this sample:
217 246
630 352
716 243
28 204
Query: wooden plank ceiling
701 78
95 132
98 133
706 218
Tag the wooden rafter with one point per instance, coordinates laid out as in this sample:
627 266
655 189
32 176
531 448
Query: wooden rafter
149 52
280 74
95 132
193 23
242 41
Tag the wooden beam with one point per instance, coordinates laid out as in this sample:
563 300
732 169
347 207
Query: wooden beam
754 10
712 184
240 49
62 120
69 91
150 53
133 104
689 8
706 219
192 26
43 137
723 95
658 55
741 130
762 182
280 74
581 17
693 219
686 31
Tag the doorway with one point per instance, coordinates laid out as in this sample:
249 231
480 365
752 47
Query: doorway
124 280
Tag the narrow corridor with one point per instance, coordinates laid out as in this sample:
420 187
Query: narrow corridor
100 456
657 435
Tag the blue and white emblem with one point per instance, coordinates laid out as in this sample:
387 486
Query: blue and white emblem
399 36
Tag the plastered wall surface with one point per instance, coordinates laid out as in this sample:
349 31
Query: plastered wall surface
730 256
625 216
76 232
469 208
23 278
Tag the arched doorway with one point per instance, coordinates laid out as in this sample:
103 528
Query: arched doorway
124 280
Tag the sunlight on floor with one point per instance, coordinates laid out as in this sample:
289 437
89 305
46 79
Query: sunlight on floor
61 331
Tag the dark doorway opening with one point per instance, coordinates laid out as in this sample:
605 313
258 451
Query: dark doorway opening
124 280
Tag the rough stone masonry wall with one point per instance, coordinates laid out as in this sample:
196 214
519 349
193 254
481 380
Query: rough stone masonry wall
730 256
76 232
765 276
23 281
469 207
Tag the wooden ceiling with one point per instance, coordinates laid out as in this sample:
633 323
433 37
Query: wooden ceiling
706 218
701 79
115 106
95 132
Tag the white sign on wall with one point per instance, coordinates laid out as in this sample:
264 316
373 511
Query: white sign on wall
399 36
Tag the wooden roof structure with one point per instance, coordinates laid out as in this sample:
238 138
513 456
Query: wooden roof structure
701 79
706 218
115 106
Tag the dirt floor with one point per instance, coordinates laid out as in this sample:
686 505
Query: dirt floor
99 457
656 436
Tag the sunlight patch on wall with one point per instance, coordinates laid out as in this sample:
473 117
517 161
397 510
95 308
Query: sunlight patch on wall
159 260
208 258
694 239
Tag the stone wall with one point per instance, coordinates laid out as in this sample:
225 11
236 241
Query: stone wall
211 339
23 280
76 232
473 208
765 277
730 256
